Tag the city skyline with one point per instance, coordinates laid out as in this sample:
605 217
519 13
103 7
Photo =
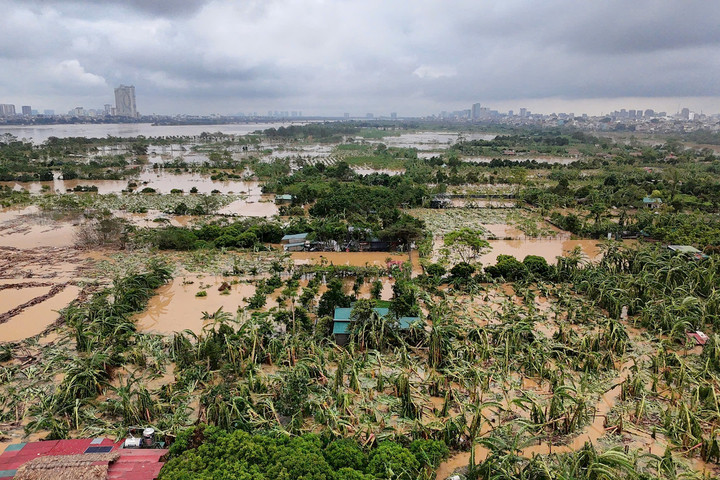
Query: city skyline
224 57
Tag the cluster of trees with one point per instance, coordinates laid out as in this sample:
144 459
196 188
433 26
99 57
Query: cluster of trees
246 233
397 228
205 453
507 268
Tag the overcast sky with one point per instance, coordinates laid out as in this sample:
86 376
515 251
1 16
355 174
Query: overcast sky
414 57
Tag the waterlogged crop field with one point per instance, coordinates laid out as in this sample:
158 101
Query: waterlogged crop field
482 342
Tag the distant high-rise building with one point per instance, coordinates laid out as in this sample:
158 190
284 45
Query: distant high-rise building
685 113
26 110
346 115
476 111
108 109
7 110
523 112
393 115
649 112
511 113
49 112
125 101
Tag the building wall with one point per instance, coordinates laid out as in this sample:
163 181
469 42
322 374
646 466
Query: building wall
125 101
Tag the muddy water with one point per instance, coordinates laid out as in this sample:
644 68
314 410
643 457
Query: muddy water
548 248
147 219
429 140
175 307
40 133
37 318
367 170
161 180
254 206
164 181
355 259
11 298
30 231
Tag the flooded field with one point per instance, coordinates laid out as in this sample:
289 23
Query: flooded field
354 259
40 133
29 228
548 248
35 319
161 181
176 307
431 140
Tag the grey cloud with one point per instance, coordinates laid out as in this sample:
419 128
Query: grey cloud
163 8
365 54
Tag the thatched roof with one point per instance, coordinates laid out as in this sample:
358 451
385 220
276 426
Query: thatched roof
90 466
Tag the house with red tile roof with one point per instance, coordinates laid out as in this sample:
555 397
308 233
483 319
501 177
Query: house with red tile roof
86 459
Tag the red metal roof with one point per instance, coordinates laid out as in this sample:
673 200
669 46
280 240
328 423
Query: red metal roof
137 464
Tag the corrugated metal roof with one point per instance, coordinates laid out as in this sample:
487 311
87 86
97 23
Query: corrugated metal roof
296 236
405 322
342 314
340 328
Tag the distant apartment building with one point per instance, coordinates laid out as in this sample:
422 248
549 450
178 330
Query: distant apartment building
393 115
7 110
49 112
125 101
26 110
476 111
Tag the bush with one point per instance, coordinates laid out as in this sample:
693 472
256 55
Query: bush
393 461
507 267
538 266
462 270
175 238
345 453
429 452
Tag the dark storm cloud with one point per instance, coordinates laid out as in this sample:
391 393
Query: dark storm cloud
329 56
165 8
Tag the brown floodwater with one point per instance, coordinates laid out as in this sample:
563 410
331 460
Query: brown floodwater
36 319
176 308
354 259
548 248
60 234
252 206
163 181
11 297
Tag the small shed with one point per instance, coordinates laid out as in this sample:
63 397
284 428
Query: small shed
687 250
284 199
342 321
652 202
296 238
